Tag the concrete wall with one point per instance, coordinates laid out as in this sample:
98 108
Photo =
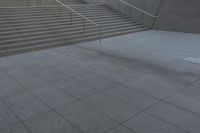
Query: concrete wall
179 15
174 15
95 1
150 6
72 1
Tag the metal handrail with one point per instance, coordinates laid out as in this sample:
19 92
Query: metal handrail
135 8
145 12
84 18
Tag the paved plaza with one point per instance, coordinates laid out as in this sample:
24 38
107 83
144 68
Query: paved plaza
137 83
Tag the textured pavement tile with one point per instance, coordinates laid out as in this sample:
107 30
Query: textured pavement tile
96 81
176 116
58 55
86 118
4 76
80 90
44 58
50 123
7 64
121 129
197 84
23 76
36 68
51 74
9 86
158 67
186 102
52 96
18 128
79 52
166 81
25 105
116 67
25 60
192 91
150 89
7 118
131 97
144 123
67 82
86 66
114 76
70 70
111 107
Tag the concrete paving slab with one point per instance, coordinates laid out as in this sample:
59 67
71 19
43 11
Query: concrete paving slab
144 123
95 81
50 123
134 71
9 86
25 105
86 118
178 117
192 91
53 96
153 90
131 97
7 118
80 90
121 129
18 128
185 102
111 107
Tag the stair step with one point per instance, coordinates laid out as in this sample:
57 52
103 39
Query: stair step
59 18
49 15
53 34
58 44
28 29
61 30
56 41
52 10
65 21
41 13
13 33
36 8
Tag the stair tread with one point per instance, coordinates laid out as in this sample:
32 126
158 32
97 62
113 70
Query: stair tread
29 29
58 26
63 34
76 40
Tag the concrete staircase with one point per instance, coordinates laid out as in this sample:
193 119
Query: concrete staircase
28 29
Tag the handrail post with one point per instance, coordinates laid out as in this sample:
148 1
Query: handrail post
70 16
134 9
85 20
99 29
142 18
154 19
119 6
83 25
60 10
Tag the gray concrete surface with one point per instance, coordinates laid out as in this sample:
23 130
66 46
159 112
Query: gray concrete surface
136 83
95 1
23 30
173 15
176 15
179 15
146 5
